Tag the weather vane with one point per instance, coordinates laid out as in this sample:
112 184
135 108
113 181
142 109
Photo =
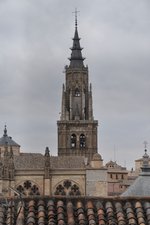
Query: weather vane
76 13
145 144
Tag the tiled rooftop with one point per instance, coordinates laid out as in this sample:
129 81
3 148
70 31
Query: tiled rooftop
72 211
67 162
36 161
29 161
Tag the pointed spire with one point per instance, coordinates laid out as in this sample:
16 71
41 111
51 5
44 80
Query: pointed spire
145 167
47 152
5 131
145 159
76 59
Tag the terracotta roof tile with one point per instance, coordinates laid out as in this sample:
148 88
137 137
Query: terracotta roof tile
72 210
60 213
70 213
90 212
41 212
10 213
51 212
81 220
20 214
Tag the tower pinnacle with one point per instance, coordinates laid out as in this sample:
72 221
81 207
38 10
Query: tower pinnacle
76 59
5 131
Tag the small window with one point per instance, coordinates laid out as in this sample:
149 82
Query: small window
82 141
73 141
77 92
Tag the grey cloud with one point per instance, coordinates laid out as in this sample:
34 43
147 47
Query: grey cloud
34 41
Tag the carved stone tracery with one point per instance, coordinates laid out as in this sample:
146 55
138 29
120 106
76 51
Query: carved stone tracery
28 188
67 188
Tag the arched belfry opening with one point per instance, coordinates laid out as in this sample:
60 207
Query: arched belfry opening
77 92
73 141
82 141
76 118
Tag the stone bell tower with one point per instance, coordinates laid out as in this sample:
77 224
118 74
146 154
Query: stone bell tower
77 129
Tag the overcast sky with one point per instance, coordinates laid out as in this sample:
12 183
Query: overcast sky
35 37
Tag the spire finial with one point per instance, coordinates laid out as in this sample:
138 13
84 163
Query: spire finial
145 144
76 13
5 130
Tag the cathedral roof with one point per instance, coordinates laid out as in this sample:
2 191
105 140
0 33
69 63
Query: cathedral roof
37 160
7 140
75 210
67 162
29 161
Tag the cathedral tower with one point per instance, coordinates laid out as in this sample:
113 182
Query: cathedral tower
77 129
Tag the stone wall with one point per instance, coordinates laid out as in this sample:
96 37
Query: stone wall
96 182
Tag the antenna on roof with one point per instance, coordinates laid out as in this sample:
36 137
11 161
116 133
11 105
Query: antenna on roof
16 192
114 153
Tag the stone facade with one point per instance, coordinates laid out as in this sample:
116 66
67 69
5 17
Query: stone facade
33 174
118 178
96 182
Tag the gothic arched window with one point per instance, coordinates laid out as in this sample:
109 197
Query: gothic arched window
28 188
67 188
73 140
77 92
82 141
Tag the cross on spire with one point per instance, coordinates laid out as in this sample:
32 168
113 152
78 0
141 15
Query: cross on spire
145 144
76 13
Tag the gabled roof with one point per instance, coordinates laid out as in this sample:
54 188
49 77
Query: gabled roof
37 161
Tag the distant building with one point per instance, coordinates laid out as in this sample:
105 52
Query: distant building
118 179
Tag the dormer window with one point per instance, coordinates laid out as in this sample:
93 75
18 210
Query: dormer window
77 92
73 141
82 141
